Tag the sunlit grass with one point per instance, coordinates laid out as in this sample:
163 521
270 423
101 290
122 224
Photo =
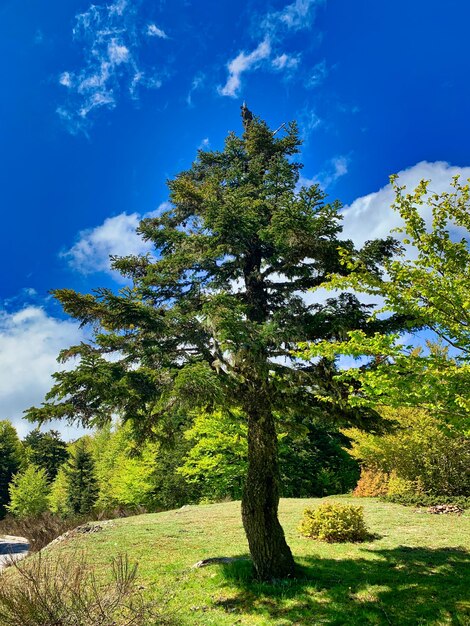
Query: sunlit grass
416 570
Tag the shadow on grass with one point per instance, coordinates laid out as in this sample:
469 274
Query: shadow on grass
399 586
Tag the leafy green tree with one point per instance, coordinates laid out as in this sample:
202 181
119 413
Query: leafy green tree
430 284
46 450
82 486
417 451
139 475
58 495
11 457
312 461
217 459
210 321
29 492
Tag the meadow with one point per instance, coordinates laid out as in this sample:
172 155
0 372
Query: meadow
414 570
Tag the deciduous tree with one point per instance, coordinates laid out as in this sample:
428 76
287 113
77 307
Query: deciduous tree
428 281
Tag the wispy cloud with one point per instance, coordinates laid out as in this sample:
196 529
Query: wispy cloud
275 26
317 75
243 63
286 61
333 170
296 16
197 83
110 38
308 122
154 31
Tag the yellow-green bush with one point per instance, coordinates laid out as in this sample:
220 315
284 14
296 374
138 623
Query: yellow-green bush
372 482
419 448
334 522
402 487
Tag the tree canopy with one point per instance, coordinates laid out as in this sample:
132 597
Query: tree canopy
428 281
210 319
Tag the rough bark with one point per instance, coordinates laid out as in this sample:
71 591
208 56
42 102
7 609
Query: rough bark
272 557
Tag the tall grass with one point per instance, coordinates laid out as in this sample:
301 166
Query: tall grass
42 591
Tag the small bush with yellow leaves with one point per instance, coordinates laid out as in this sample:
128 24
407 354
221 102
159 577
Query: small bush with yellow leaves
372 482
335 523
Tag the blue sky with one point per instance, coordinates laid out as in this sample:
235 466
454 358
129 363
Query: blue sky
102 103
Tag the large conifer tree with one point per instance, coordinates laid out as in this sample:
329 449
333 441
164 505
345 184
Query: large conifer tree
211 319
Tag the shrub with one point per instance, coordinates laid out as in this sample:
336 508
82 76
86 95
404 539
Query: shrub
419 448
399 487
65 592
371 483
422 499
29 492
334 522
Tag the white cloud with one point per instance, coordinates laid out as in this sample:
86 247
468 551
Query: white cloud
116 236
154 31
371 216
30 341
110 40
286 61
118 53
308 122
243 63
334 169
298 15
65 79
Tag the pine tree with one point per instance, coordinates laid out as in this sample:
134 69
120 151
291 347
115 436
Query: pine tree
210 321
46 450
82 486
11 454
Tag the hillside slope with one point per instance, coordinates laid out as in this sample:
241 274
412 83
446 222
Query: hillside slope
416 570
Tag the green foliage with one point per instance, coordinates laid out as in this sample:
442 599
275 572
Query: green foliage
58 495
419 451
313 461
420 499
210 318
134 476
29 492
217 460
46 450
402 488
334 523
11 457
82 486
432 291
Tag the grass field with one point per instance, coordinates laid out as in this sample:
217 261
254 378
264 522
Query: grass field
415 571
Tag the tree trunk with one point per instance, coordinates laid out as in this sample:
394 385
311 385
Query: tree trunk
270 553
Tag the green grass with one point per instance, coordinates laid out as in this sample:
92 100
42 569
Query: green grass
415 571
